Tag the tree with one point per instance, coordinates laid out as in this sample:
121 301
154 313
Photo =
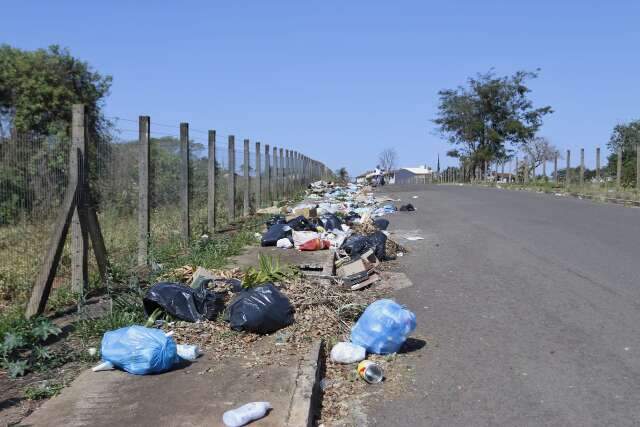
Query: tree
38 88
342 174
540 150
627 137
491 112
388 159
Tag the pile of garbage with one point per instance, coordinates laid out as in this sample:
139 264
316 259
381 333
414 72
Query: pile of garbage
346 219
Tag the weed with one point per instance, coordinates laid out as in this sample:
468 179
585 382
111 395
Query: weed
44 390
269 270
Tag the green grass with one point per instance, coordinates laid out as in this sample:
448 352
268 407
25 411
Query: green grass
43 390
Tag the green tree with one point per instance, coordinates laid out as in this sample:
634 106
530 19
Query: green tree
627 137
491 112
342 174
37 89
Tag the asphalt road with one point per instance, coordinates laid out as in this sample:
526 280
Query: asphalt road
530 306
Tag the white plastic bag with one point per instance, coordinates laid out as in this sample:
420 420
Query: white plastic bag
188 352
345 352
245 414
284 243
301 237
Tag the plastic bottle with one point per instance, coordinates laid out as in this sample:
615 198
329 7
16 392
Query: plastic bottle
245 414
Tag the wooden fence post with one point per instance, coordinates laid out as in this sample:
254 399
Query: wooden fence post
276 176
79 236
258 177
567 175
247 181
211 183
231 181
619 169
281 163
581 167
144 230
184 181
598 164
267 175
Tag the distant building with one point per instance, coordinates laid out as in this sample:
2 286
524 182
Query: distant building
421 173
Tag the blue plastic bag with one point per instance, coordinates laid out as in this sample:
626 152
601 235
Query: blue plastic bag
383 327
139 350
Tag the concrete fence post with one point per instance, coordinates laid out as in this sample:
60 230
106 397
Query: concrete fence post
184 181
281 163
638 166
144 130
544 169
211 182
525 163
258 177
231 181
516 172
246 200
555 168
79 236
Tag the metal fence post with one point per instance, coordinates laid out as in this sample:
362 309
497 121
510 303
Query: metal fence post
258 177
247 184
231 181
77 168
184 180
211 183
144 129
267 174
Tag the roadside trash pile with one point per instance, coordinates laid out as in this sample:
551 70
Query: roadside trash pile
272 312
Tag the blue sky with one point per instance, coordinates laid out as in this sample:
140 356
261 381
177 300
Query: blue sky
341 81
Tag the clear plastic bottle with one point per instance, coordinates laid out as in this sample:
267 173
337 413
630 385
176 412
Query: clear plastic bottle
245 414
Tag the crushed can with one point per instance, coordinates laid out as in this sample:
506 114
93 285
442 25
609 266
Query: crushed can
370 371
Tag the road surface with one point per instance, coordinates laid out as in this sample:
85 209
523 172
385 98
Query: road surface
530 305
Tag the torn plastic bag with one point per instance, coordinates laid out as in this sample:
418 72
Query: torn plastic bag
350 217
277 219
275 233
381 223
407 208
139 350
263 309
301 223
357 245
183 302
331 222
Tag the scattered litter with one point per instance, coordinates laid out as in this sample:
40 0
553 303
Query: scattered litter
370 371
400 254
345 352
245 414
274 233
263 310
407 208
414 197
188 351
413 238
139 350
92 351
383 327
184 302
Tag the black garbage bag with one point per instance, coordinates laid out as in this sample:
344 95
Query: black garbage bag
183 302
407 208
357 245
277 219
263 310
275 233
331 222
348 218
381 223
300 223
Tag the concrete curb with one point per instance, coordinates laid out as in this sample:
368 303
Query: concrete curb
305 400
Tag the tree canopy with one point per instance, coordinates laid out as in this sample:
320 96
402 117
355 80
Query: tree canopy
37 89
487 115
627 137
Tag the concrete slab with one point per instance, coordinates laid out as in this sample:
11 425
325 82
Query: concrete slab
286 256
194 395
